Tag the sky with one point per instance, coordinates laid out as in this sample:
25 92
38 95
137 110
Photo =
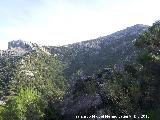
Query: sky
61 22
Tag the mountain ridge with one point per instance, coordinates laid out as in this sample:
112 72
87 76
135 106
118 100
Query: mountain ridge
116 75
86 56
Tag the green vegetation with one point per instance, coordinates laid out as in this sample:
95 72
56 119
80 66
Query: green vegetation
31 85
136 89
41 72
27 105
149 42
90 56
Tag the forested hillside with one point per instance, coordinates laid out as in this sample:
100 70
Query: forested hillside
133 91
31 84
116 75
85 58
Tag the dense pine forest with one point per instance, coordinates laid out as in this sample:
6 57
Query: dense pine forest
116 75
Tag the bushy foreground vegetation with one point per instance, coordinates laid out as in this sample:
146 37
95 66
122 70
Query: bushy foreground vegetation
28 104
136 90
31 86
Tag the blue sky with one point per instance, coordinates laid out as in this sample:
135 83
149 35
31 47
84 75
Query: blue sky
59 22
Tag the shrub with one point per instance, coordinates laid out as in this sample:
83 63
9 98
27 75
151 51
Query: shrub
27 105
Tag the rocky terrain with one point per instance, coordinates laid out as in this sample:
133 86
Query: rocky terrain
85 58
107 75
19 48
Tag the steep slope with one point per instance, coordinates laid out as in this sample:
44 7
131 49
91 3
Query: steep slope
85 58
132 92
35 68
32 84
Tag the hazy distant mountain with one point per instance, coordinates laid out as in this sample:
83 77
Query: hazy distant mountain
87 57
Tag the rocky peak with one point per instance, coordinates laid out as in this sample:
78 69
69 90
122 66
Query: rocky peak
20 44
20 47
17 48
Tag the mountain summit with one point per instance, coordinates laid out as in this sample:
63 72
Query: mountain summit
20 44
19 48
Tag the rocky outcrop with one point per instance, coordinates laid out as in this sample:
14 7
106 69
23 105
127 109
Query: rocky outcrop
20 47
16 48
20 44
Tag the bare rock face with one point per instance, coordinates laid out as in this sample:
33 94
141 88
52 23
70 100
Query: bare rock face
20 44
17 48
